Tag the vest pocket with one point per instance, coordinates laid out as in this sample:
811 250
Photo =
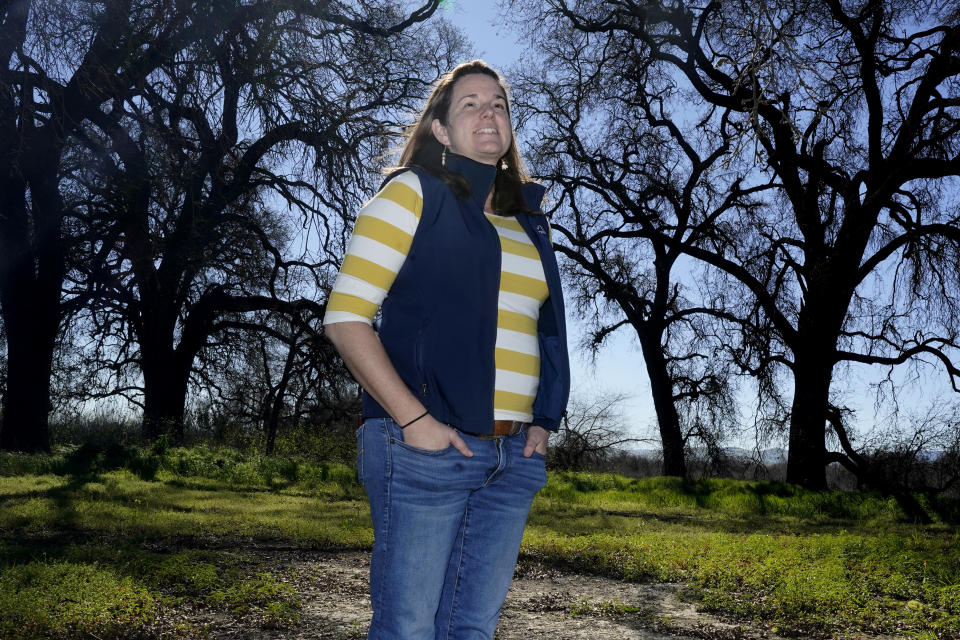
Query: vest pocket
550 393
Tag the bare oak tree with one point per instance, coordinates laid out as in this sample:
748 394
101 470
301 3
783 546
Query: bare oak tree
634 188
852 112
230 83
199 157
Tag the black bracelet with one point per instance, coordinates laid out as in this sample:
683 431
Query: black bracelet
404 426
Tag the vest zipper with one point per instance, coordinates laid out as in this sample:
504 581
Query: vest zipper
496 314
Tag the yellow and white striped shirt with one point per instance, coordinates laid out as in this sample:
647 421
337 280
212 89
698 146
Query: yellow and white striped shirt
381 240
380 243
523 289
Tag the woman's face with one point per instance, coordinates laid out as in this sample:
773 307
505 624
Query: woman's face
478 125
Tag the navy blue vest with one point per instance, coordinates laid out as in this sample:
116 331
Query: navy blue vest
439 321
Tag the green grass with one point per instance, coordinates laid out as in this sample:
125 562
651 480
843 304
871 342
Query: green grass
45 599
77 526
107 542
802 562
606 608
119 589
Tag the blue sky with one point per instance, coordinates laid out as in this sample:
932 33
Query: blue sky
481 21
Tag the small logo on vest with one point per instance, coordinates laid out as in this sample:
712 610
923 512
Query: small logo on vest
541 230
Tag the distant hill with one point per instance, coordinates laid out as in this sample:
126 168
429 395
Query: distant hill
769 456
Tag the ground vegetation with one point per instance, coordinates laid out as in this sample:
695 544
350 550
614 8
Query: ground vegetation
204 542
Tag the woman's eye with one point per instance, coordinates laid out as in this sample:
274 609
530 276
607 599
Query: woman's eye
500 106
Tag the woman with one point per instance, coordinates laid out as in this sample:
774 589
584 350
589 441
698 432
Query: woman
467 373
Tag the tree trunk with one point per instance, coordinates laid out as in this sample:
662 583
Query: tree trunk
661 387
278 395
829 291
807 457
31 339
165 383
31 275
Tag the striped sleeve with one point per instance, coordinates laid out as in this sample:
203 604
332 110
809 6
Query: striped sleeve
381 240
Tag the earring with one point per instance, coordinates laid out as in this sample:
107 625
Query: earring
503 165
443 157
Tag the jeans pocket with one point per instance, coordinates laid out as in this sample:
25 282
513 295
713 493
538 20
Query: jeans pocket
535 471
423 452
396 437
422 470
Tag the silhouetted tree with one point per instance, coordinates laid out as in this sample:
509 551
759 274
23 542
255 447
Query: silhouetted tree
852 112
915 452
633 191
271 372
592 431
108 75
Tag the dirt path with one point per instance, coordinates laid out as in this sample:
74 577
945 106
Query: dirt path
543 604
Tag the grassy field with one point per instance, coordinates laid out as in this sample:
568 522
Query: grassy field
119 543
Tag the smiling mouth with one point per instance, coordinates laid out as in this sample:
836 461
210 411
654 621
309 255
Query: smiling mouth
486 130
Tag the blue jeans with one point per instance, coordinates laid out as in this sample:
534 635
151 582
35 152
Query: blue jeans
447 531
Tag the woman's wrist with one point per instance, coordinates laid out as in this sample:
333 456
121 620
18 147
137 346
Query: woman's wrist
410 422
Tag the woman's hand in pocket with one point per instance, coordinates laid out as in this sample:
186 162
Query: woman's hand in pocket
536 441
428 433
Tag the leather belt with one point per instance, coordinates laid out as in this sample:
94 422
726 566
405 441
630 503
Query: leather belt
503 428
508 427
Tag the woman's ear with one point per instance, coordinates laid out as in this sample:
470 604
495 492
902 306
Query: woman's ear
440 132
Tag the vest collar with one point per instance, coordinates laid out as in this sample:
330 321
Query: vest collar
480 176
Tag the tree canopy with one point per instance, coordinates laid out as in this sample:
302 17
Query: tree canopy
148 146
846 116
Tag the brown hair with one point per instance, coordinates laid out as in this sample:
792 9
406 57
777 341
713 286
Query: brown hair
423 150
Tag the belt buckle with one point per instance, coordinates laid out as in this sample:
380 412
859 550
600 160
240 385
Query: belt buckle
500 429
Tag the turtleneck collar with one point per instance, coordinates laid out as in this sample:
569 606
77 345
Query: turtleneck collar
480 176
